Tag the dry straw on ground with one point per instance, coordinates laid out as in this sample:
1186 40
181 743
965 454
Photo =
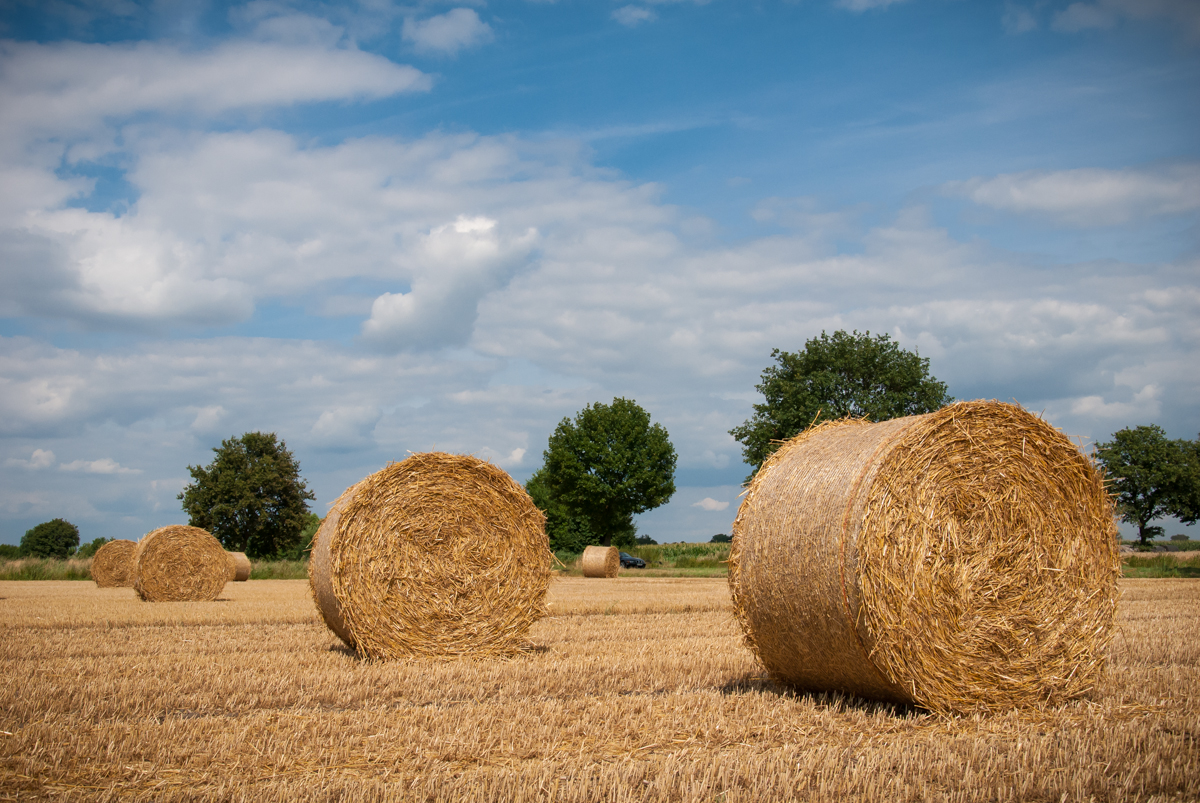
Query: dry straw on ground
180 564
239 567
960 560
112 565
438 555
601 561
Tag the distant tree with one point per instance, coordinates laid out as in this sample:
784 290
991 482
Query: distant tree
89 549
9 552
567 531
836 376
645 540
720 538
1152 477
50 539
602 468
303 547
251 497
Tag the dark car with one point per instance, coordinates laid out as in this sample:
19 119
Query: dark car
630 562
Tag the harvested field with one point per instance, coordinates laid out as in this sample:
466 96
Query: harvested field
638 689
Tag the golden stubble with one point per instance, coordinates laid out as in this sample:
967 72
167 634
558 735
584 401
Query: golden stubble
635 689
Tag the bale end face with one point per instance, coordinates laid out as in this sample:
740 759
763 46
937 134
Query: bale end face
601 561
239 567
438 555
180 564
113 564
960 560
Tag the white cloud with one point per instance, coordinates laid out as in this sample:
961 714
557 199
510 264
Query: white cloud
63 86
632 16
105 465
710 504
1082 16
41 458
864 5
1144 406
1088 196
457 29
1018 19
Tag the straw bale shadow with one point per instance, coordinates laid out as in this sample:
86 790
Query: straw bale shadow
835 700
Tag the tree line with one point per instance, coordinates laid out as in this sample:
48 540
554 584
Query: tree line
611 462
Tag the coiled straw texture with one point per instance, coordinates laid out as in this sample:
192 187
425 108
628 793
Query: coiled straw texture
601 561
112 565
438 555
961 560
179 564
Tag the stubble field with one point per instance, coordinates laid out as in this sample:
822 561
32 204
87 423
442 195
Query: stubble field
636 689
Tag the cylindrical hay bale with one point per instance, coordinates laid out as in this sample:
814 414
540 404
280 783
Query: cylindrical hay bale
179 564
960 560
112 565
601 561
438 555
239 567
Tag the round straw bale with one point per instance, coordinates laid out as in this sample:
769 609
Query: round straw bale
601 561
960 560
239 566
112 565
179 563
438 555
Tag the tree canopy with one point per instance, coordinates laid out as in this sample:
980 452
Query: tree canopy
600 469
56 538
251 497
836 376
1152 477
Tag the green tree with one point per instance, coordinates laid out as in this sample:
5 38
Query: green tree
836 376
251 497
567 531
89 549
1152 477
604 467
51 539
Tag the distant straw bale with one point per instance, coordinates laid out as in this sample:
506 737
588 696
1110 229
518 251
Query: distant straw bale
601 561
112 565
960 560
180 564
239 567
438 555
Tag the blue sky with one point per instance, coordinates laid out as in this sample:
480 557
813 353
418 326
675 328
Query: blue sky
376 228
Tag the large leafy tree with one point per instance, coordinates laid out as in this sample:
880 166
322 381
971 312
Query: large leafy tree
836 376
56 538
251 497
1152 477
600 469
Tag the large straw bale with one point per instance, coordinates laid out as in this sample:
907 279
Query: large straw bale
601 561
438 555
179 564
239 566
960 560
112 565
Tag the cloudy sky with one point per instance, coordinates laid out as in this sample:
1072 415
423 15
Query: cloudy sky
377 228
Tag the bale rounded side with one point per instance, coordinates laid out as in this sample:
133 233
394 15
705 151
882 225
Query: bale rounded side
965 559
180 564
112 565
438 555
239 567
601 561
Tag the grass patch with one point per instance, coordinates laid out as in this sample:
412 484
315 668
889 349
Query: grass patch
1160 565
46 569
279 570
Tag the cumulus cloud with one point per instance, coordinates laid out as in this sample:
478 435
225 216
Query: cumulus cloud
41 458
1088 196
457 29
460 263
859 6
1018 19
105 465
710 504
632 16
